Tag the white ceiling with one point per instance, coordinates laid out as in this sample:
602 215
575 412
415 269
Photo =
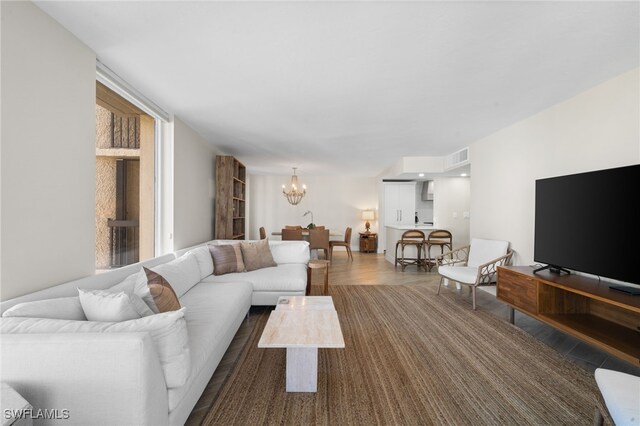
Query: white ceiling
350 87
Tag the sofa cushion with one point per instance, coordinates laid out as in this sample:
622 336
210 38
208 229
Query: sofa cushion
256 255
137 283
210 313
112 306
163 294
204 259
226 258
168 331
287 277
290 251
68 308
182 273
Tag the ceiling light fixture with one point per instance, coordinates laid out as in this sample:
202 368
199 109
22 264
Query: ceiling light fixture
421 174
463 174
294 196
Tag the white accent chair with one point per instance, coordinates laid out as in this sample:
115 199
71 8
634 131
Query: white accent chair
475 264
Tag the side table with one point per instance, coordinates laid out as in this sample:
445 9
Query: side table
318 264
368 242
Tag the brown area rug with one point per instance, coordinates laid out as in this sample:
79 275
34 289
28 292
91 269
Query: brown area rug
411 357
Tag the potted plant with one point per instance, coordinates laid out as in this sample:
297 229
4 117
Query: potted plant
311 225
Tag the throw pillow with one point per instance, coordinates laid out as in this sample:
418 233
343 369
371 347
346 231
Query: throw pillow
112 306
257 255
182 273
226 259
66 308
168 332
137 284
163 295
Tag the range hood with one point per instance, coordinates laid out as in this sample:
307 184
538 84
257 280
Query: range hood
427 190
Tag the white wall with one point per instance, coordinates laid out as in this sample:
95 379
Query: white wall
48 152
336 202
596 129
452 197
193 187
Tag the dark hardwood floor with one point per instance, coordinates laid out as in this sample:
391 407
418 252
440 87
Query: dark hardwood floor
373 269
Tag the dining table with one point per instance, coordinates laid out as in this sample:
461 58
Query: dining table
305 233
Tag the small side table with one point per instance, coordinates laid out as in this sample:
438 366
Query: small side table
318 264
17 405
368 242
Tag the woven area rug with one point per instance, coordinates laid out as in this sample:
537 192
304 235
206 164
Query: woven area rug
411 357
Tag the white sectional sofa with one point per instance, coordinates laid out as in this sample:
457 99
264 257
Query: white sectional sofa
120 378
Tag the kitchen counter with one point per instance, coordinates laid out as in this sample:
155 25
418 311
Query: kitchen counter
407 227
394 233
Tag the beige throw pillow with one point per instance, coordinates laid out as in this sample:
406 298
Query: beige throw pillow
257 255
226 259
163 295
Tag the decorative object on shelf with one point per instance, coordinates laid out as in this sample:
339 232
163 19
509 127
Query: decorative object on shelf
368 215
312 224
294 196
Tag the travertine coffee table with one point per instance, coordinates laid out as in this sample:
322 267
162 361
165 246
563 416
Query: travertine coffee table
308 323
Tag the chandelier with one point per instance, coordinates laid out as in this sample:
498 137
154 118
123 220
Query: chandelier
294 196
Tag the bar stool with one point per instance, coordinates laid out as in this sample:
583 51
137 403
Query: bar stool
413 237
318 264
439 238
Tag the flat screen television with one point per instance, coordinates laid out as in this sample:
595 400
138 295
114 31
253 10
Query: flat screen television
590 222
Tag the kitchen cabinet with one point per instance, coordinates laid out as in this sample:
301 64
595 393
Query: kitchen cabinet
399 203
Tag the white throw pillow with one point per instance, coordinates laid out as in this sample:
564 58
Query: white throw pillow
182 273
205 262
66 308
168 331
137 284
112 306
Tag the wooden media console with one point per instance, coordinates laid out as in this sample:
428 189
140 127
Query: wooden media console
581 306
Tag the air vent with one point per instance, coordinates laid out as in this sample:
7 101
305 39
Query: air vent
457 159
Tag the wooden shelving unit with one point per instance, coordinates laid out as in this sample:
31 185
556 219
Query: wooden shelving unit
580 306
230 202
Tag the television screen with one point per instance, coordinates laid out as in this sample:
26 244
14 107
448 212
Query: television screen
590 222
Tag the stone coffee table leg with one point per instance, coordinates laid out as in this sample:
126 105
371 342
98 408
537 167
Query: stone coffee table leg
302 369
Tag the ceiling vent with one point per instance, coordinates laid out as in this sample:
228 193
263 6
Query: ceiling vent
457 159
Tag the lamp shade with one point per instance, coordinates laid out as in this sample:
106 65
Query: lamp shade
368 215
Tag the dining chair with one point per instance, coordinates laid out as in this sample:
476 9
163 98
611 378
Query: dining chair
321 228
263 233
319 240
292 227
346 243
291 234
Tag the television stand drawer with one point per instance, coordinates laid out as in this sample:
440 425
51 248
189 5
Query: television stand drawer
518 290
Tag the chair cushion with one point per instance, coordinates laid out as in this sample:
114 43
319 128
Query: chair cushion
461 274
483 251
